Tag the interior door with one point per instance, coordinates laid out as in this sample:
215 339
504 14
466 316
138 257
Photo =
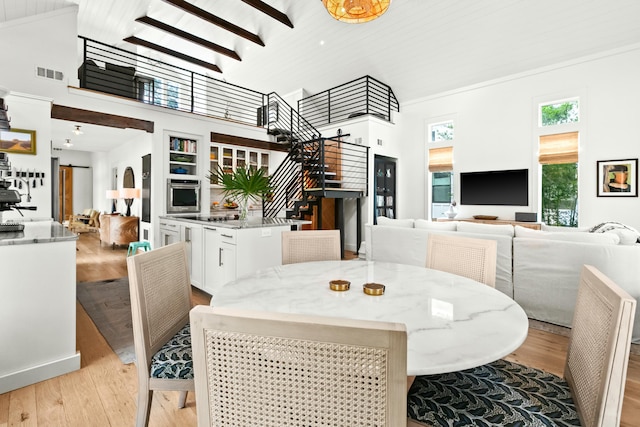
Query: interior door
65 192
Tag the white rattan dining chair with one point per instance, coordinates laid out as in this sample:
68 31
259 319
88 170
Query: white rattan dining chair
463 256
160 292
503 392
273 369
310 245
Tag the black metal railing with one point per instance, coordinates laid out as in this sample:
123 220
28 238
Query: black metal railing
116 71
287 186
318 167
285 122
365 95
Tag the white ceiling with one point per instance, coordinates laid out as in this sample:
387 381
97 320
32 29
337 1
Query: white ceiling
419 47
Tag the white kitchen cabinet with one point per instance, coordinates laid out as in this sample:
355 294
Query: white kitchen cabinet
169 232
219 256
231 253
229 158
191 234
178 231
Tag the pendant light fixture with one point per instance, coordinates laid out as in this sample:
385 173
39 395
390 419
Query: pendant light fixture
77 130
356 11
68 143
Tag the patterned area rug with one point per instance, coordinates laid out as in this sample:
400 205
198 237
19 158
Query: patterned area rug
107 303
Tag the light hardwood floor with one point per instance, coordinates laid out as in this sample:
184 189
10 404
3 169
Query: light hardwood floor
103 392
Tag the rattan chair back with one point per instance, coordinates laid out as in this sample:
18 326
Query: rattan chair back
270 369
160 290
463 256
310 245
598 355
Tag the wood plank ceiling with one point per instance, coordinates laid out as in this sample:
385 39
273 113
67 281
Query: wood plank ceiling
212 19
418 47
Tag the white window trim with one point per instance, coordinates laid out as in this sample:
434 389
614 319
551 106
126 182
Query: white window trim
580 126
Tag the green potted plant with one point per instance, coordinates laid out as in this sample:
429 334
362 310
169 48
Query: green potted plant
242 185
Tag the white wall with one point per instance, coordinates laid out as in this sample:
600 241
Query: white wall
32 113
495 129
82 178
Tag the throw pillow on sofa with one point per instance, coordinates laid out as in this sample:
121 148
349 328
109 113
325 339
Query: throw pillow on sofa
628 235
389 222
570 236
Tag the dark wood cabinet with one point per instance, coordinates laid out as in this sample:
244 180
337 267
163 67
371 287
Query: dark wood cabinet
385 188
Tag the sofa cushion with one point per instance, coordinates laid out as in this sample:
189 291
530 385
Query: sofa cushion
571 236
546 275
436 225
623 231
402 245
389 222
478 227
627 237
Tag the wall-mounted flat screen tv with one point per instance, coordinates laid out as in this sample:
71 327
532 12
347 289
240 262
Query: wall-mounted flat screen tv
506 187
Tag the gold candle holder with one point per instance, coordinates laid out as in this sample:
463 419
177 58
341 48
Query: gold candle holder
339 285
373 289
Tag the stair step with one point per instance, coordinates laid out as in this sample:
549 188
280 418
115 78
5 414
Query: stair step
325 173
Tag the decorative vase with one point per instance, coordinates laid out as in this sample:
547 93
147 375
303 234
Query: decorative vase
452 212
243 208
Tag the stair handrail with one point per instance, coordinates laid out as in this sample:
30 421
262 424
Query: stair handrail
364 95
281 116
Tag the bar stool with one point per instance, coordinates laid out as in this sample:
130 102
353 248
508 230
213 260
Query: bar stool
134 246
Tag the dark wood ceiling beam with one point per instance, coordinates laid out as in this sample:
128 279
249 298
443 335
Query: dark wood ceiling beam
62 112
222 138
140 42
190 37
270 11
209 17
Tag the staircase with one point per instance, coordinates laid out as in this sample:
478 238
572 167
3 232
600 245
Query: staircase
316 169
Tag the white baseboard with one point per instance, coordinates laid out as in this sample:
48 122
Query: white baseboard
35 374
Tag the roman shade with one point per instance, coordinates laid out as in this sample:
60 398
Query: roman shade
441 159
558 148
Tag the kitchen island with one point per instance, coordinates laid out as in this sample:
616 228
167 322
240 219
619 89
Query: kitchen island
38 304
220 250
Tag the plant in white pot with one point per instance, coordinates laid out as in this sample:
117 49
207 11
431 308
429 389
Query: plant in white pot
242 185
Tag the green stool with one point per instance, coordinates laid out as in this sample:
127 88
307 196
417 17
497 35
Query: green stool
134 246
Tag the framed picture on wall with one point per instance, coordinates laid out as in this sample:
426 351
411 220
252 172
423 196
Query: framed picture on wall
18 141
618 178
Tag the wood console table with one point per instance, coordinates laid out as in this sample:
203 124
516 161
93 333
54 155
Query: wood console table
532 225
118 230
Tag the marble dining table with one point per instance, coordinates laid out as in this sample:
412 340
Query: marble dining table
452 322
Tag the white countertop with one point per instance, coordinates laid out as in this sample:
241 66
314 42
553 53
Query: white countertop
453 323
37 231
251 222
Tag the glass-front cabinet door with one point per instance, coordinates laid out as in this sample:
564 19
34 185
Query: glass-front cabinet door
385 191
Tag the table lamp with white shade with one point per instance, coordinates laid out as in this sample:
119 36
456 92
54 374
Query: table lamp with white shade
113 195
128 194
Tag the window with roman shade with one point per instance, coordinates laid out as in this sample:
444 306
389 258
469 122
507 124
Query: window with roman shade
440 159
558 148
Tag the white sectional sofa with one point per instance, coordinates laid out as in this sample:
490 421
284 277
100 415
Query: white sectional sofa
538 269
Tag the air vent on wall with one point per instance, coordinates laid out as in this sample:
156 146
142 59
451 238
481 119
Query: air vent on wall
48 73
